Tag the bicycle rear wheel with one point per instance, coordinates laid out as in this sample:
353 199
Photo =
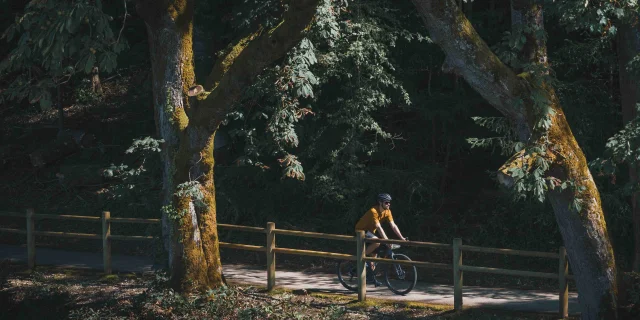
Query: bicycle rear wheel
400 278
348 275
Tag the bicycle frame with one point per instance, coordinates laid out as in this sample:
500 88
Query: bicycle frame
397 272
385 251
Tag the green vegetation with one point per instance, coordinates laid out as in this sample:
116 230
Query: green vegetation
364 103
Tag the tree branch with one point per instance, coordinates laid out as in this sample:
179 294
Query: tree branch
250 56
469 56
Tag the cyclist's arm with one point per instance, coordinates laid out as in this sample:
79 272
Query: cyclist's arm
380 230
395 229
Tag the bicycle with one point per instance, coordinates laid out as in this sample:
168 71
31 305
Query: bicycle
400 279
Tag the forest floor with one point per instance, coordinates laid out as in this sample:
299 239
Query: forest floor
315 282
72 293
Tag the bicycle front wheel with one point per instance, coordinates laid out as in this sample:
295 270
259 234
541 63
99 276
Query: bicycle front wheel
400 278
348 275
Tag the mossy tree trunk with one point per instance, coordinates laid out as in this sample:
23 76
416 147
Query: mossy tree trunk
628 47
188 125
584 232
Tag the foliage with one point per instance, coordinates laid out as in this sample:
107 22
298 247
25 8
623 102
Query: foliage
353 63
362 105
505 142
132 180
623 147
598 17
55 40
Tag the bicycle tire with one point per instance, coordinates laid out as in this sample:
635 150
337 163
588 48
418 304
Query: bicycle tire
409 276
347 280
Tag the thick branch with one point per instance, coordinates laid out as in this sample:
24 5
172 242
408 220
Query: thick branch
249 57
468 55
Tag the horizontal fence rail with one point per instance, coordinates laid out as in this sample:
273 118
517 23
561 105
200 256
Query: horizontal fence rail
241 228
68 234
511 252
136 220
411 243
11 230
307 234
509 272
270 250
242 246
431 265
65 217
315 253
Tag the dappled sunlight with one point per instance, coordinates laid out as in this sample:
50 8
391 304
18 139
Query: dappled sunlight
522 300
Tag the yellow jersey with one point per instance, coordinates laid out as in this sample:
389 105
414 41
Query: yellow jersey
369 219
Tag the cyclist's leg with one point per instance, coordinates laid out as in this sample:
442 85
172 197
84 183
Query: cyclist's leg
371 266
371 249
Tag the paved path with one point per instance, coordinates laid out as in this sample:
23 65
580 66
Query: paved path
521 300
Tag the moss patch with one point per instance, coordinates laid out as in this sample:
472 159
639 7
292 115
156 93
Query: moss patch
110 278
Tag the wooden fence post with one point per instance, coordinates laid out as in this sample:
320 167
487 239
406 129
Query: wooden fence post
563 272
31 240
271 256
362 271
457 274
106 241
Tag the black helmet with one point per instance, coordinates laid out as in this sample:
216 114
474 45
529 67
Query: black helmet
383 197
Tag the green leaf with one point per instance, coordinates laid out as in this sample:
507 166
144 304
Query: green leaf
69 23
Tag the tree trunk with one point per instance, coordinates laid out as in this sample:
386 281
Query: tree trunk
96 85
188 125
584 232
189 231
628 47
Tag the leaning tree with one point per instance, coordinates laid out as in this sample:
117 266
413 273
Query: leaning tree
550 160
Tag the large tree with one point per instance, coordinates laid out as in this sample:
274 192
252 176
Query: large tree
188 124
532 107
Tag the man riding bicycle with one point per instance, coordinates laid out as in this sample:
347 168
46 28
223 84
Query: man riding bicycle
370 223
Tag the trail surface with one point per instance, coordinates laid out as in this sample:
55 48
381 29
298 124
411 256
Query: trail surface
499 298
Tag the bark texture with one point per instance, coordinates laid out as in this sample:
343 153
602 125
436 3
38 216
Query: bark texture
584 232
189 233
628 47
188 125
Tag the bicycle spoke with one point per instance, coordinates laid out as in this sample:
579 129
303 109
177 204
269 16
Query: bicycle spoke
400 278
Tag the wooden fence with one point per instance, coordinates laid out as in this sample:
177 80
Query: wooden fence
270 249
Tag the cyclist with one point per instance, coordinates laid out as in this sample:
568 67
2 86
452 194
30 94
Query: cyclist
370 223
